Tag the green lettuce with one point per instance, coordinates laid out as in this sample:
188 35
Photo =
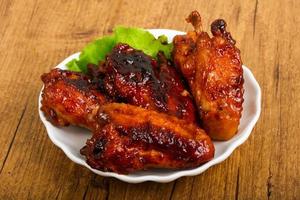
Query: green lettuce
137 38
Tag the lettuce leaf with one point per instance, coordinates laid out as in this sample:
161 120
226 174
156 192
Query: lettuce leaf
137 38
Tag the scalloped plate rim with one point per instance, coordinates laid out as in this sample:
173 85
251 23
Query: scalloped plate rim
235 141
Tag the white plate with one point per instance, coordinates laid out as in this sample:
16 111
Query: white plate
72 139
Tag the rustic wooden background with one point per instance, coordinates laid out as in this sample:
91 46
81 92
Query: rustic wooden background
35 35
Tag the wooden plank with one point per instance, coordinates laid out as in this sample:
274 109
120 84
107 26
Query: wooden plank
33 166
36 35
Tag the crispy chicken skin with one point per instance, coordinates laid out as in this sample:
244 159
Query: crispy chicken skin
70 98
134 138
213 68
130 76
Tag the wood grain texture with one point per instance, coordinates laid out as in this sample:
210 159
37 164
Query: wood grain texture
35 35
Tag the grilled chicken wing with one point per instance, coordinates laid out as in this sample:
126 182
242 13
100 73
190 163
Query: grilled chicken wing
130 76
70 98
134 138
213 69
126 138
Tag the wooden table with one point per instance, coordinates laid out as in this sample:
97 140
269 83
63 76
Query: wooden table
36 35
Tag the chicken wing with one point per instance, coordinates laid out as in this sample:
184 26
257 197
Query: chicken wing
134 138
126 138
213 69
70 98
130 76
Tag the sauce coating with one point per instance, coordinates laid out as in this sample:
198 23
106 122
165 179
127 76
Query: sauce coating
135 138
130 76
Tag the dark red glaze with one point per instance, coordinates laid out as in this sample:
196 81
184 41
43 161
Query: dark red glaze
70 98
179 100
130 76
218 28
136 138
156 131
213 68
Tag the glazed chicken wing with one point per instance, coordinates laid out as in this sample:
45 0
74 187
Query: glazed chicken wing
213 69
126 138
70 98
134 138
130 76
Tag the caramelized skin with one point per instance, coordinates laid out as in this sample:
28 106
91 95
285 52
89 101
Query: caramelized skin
130 76
213 69
134 138
126 138
70 98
